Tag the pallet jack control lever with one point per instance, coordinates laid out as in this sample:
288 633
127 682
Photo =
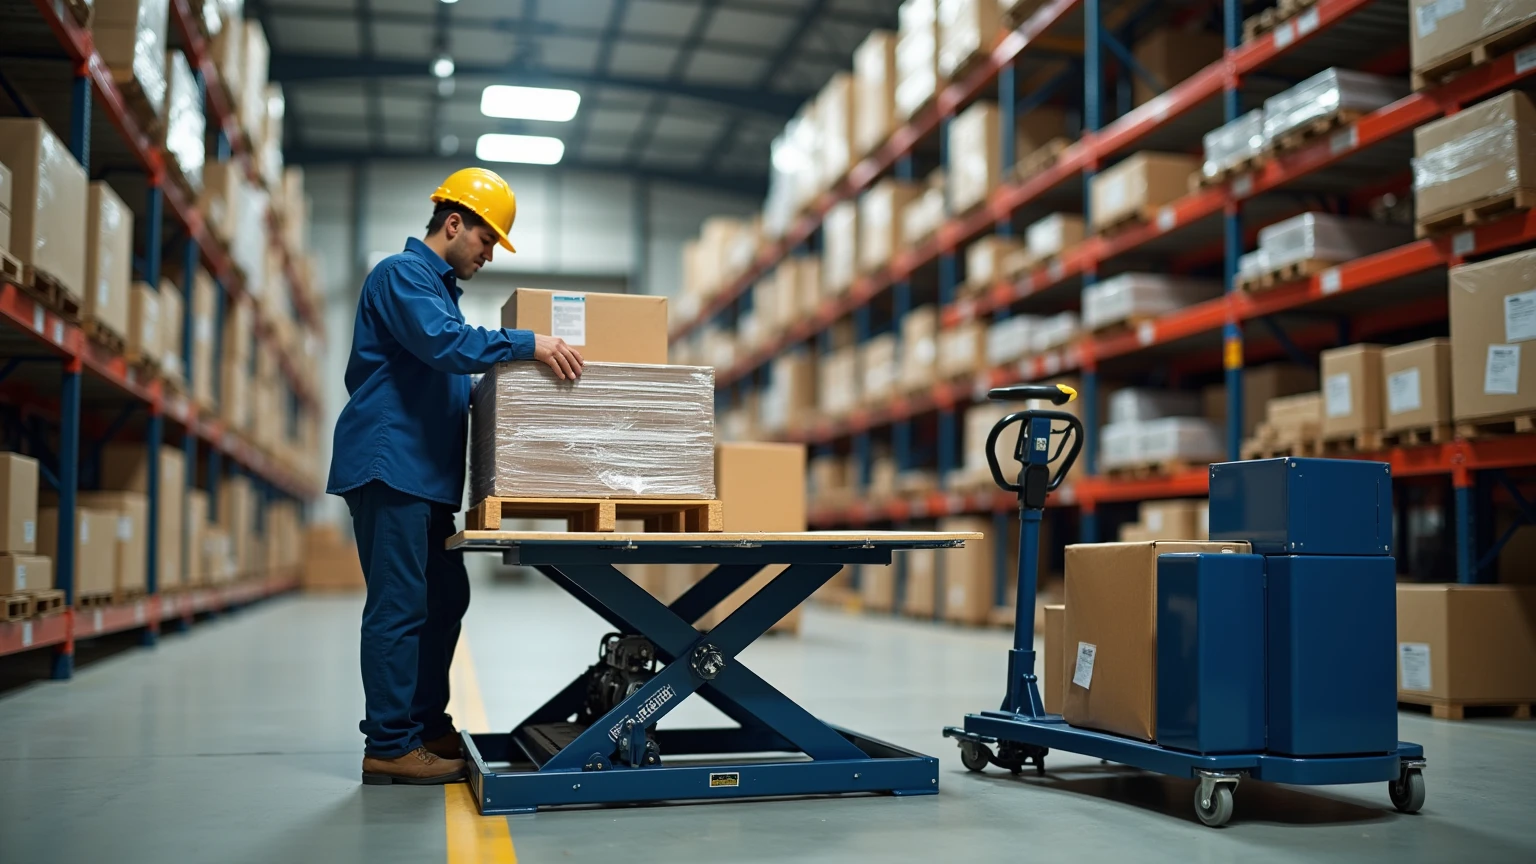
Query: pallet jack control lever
1032 449
1056 394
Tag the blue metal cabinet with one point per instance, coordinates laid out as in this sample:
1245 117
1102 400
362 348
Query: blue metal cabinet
1332 630
1210 652
1304 506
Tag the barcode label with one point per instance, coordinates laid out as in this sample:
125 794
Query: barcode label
1331 281
1463 243
1146 333
1344 140
1285 34
1166 219
1242 187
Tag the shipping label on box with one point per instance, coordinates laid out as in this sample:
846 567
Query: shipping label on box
1492 376
611 328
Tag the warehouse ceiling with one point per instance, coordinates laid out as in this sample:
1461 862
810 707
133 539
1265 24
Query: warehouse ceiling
690 90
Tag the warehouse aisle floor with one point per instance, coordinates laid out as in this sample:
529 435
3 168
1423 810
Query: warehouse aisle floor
239 744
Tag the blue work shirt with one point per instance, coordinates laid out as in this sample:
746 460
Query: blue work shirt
408 379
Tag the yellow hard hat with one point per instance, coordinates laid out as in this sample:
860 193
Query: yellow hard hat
485 193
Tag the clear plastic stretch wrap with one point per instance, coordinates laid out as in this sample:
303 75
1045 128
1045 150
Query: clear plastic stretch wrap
1325 93
1234 142
1481 152
1054 332
1132 295
1008 339
1185 439
185 124
621 431
1253 264
1119 444
1326 237
1140 404
149 44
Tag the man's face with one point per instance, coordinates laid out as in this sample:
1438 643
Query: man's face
469 249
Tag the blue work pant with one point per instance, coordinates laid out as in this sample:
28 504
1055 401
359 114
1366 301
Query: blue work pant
417 595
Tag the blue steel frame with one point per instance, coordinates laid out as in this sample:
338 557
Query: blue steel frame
508 775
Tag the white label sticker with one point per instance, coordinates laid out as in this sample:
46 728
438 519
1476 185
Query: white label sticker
1308 22
26 634
1520 317
39 320
85 531
96 620
103 292
1413 666
21 577
124 528
1285 34
29 531
1337 396
1428 23
1082 676
1242 187
1403 392
1525 60
1344 140
1502 375
1146 333
1331 281
202 330
568 318
1166 219
1463 243
138 612
58 332
1057 271
1155 520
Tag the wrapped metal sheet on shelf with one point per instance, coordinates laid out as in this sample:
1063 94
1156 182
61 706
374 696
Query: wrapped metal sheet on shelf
621 430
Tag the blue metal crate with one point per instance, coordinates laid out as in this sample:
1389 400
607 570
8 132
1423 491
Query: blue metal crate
1332 629
1210 652
1294 506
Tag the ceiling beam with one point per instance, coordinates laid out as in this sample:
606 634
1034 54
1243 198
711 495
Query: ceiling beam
868 22
295 68
680 61
605 48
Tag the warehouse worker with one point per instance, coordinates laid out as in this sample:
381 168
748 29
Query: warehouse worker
398 460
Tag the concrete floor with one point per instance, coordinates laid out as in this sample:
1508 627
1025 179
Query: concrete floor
238 743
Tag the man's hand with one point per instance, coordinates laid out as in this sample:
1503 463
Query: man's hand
552 350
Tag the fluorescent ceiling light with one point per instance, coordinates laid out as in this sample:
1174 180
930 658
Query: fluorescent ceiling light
529 103
442 67
530 149
450 1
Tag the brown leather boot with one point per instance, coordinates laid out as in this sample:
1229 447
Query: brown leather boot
420 767
447 747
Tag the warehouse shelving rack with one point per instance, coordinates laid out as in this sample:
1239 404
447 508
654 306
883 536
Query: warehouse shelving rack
54 381
1380 294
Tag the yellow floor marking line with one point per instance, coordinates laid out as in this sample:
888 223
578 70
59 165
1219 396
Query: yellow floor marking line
472 838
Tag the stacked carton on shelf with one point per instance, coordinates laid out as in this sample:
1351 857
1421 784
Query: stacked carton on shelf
131 36
22 568
49 196
108 261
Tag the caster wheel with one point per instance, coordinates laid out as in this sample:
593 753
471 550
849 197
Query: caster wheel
1040 767
1219 811
1408 791
975 757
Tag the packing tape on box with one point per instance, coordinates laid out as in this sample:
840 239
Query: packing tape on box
1491 145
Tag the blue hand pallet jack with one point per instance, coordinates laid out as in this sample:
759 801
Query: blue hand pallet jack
1023 733
595 741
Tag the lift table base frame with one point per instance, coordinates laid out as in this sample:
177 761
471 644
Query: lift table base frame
586 768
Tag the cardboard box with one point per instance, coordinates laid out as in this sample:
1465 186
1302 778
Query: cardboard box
1054 235
614 328
254 55
1483 151
18 503
984 260
789 403
1111 633
1295 418
108 259
1416 381
1352 390
762 488
49 194
837 390
837 113
975 161
919 348
330 560
969 577
1466 643
840 236
203 298
19 572
922 581
5 199
197 527
1264 383
967 29
95 547
880 222
874 72
125 468
878 368
1172 520
223 186
1493 320
128 514
144 323
917 57
1439 28
1053 670
1171 55
1137 186
172 328
131 36
962 350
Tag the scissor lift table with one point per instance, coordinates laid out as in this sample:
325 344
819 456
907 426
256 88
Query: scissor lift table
568 753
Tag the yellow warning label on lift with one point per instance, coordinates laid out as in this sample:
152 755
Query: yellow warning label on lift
1234 354
717 781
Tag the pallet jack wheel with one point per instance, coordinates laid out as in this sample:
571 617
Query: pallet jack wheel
1218 811
975 756
1407 791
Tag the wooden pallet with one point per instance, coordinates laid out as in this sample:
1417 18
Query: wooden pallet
1246 165
14 607
1257 25
1359 442
47 603
1482 51
1317 127
1256 449
1042 159
121 596
1476 213
1451 709
660 515
1149 471
48 291
1515 424
10 267
1119 328
1292 272
103 335
93 601
1439 434
1134 219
